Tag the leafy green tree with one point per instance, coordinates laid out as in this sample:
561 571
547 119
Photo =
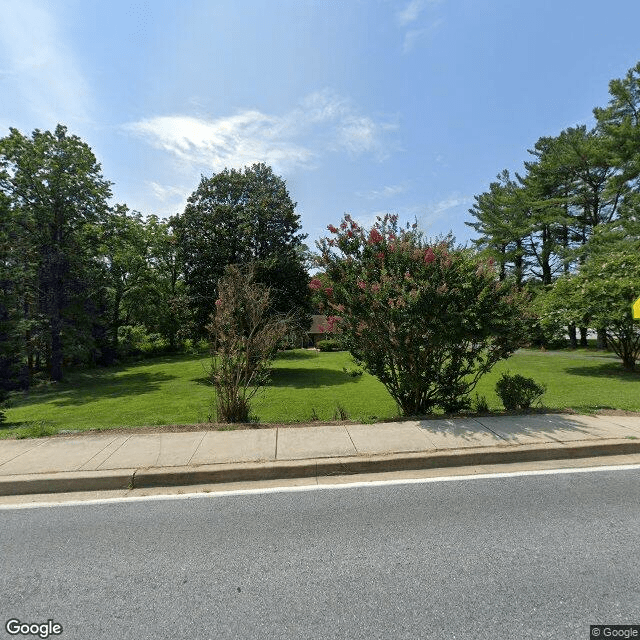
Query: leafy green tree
603 290
12 276
427 319
171 308
58 196
242 217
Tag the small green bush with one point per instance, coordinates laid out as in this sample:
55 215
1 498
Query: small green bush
328 345
518 392
481 405
354 373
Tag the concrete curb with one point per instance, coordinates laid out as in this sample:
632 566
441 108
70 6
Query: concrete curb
63 482
286 469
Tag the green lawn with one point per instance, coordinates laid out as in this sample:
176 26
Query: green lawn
305 384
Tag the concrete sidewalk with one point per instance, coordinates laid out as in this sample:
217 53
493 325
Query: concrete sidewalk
110 460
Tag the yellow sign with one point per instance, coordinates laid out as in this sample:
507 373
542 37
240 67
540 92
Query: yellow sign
636 309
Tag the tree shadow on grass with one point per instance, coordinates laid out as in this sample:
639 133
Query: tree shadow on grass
301 378
298 354
611 370
133 384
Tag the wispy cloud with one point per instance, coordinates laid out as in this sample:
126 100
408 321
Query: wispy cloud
165 192
410 18
38 68
385 192
410 12
323 122
438 210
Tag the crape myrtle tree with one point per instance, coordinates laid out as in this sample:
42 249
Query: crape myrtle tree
242 217
426 318
244 334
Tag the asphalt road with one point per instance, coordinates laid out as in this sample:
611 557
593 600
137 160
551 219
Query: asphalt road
519 557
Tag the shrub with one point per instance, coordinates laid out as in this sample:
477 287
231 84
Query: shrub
518 392
481 404
354 373
426 318
328 345
244 337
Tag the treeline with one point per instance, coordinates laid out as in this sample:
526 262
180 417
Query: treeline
84 282
575 203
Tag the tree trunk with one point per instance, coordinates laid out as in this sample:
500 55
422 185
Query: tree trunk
573 342
57 355
583 337
602 339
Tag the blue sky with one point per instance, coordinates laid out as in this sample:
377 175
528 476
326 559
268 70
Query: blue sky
362 106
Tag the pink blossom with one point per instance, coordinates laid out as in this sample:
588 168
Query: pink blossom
343 225
375 236
375 287
349 234
218 302
332 324
329 291
315 284
380 255
429 256
332 228
362 285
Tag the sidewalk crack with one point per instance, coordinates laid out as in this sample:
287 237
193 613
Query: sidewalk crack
484 426
352 442
196 449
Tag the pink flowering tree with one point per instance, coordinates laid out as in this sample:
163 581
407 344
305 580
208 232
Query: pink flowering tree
427 319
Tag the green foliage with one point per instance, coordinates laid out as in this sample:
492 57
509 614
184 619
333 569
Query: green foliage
518 392
602 292
480 404
241 218
328 345
427 319
38 429
244 338
340 413
354 373
58 200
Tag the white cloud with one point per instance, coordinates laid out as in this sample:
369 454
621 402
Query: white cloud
410 12
411 19
322 122
233 141
385 192
42 73
167 193
433 212
413 36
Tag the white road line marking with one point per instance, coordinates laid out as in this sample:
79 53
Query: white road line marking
322 487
